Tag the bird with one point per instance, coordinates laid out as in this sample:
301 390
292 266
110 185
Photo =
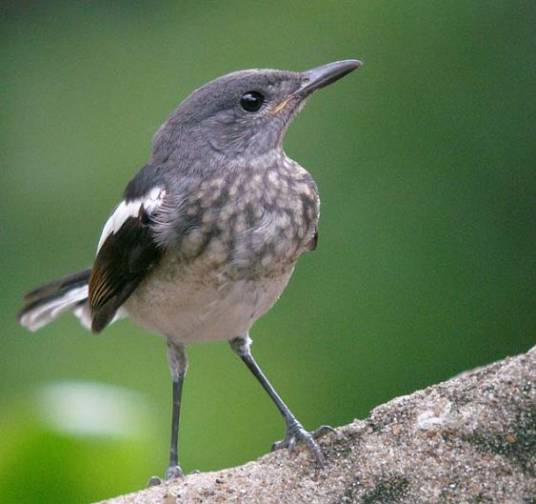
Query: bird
208 232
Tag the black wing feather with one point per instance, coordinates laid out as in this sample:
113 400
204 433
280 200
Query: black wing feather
122 262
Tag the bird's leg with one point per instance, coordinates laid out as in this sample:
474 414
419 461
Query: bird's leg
294 429
178 364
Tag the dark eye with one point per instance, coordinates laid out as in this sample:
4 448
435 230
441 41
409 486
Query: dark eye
252 101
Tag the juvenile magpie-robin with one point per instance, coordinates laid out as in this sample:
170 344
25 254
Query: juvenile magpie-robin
208 232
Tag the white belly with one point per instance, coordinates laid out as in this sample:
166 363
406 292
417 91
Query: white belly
186 310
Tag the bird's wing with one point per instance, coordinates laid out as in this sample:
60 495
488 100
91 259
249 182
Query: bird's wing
314 241
127 251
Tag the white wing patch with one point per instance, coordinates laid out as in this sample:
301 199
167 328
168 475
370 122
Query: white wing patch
150 202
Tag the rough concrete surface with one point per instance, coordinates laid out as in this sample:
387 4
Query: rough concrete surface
471 439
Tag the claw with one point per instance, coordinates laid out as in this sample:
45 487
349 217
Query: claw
296 433
292 444
322 431
154 481
173 472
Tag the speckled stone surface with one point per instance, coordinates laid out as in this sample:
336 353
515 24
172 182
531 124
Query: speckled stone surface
471 439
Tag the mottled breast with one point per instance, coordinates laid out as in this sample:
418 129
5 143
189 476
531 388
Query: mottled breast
252 221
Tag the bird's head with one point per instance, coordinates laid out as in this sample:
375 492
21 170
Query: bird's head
243 113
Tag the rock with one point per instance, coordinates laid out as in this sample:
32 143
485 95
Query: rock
471 439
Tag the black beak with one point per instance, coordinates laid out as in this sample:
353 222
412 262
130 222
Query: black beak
326 74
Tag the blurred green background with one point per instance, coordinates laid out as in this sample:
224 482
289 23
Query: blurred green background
425 266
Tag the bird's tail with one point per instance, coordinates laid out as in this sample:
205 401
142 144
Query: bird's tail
46 303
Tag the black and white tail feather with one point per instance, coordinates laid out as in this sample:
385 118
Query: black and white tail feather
46 303
127 251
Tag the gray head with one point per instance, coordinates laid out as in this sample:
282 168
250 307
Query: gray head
242 113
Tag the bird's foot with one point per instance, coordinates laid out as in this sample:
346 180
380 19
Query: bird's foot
296 433
172 472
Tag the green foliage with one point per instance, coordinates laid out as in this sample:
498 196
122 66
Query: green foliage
425 265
